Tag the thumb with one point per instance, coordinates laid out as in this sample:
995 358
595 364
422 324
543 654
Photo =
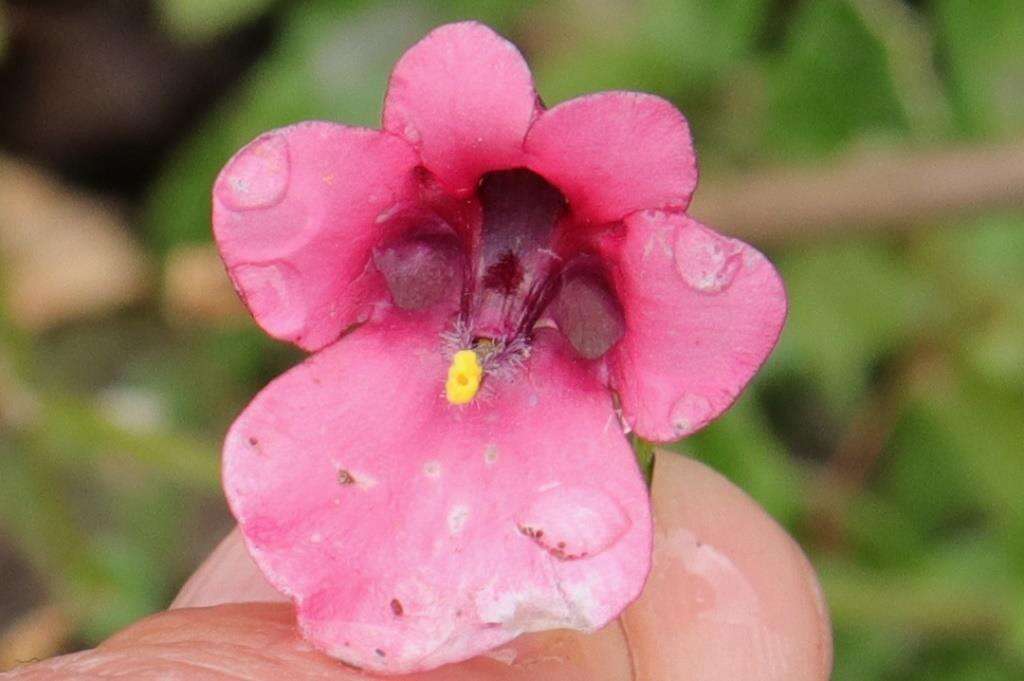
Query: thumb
257 641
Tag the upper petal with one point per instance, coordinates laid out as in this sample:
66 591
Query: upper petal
464 97
411 532
702 314
295 215
613 153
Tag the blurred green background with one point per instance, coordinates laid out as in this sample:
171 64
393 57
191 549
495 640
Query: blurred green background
886 432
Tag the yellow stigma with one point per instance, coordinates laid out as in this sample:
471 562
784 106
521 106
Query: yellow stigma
463 377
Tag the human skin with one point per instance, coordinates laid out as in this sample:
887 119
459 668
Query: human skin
730 597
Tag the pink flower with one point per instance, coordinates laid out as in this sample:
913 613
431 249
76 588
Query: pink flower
453 471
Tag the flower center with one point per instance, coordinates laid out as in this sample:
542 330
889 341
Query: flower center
517 268
526 260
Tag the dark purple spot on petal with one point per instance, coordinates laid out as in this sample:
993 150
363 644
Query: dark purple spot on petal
420 269
505 275
587 312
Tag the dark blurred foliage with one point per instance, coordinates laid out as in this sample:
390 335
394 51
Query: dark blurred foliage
887 431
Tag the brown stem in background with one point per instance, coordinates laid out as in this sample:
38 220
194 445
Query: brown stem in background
858 452
890 189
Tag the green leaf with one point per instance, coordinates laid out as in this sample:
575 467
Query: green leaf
908 45
985 426
850 304
72 433
981 42
667 46
202 20
926 475
832 84
882 534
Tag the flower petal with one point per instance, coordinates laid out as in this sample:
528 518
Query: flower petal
613 153
702 314
464 97
412 533
295 215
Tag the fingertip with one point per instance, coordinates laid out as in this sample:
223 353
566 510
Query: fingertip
731 595
228 575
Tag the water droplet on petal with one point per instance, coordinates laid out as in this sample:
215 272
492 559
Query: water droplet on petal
573 522
706 261
271 292
690 413
257 177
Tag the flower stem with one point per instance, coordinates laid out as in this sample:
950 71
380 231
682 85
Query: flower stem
644 452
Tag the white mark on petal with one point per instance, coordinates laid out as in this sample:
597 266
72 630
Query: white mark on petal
388 214
364 481
490 454
690 413
411 133
457 517
503 655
